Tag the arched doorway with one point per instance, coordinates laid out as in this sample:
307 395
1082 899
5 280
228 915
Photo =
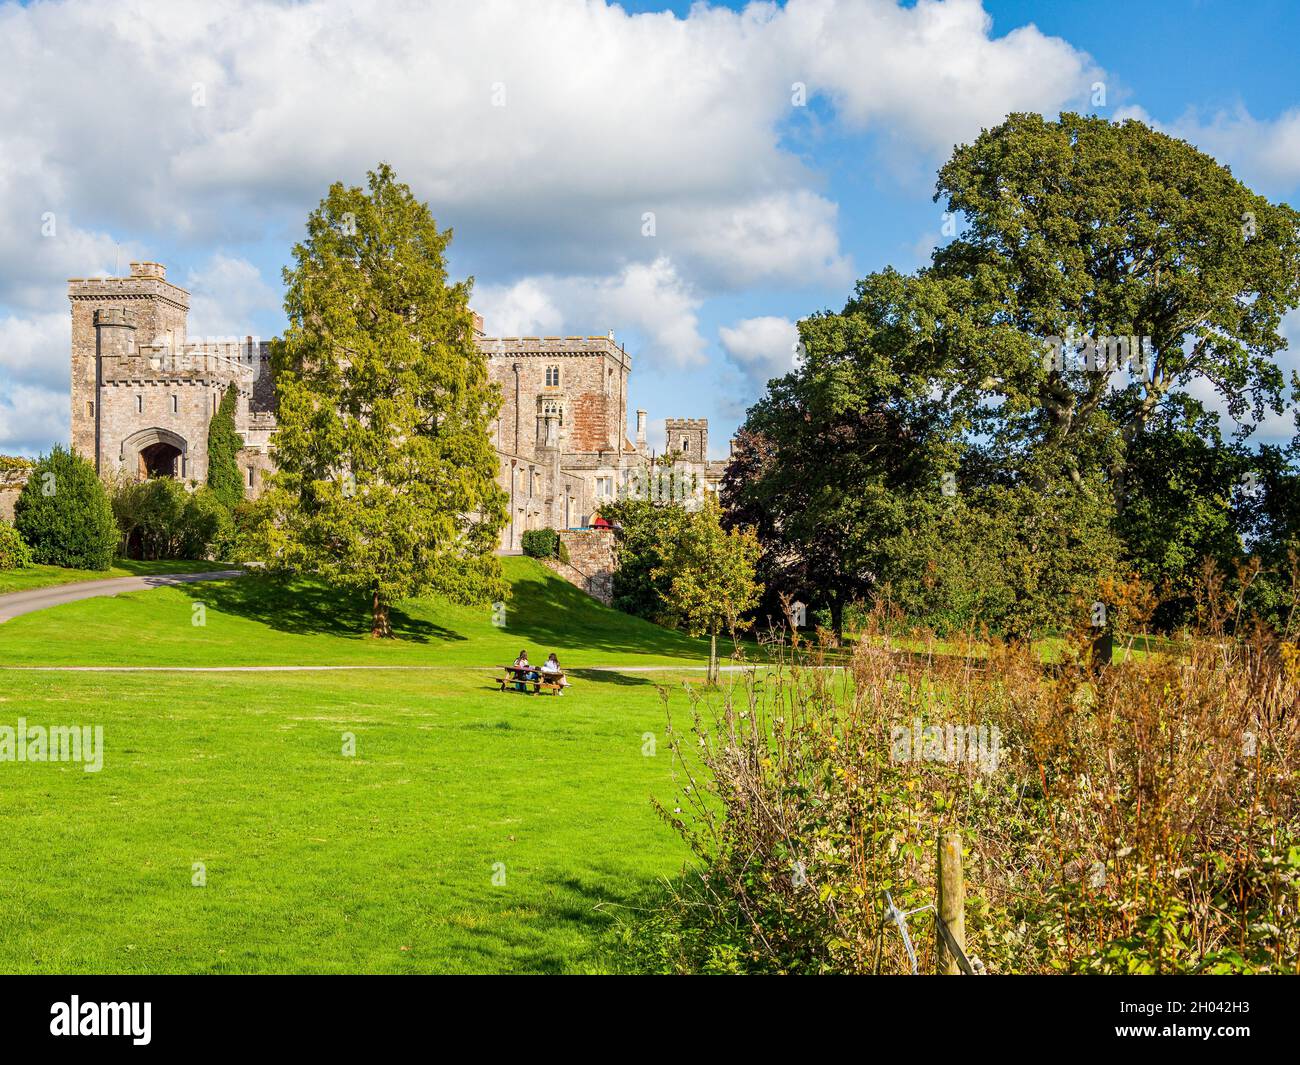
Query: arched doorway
157 453
160 460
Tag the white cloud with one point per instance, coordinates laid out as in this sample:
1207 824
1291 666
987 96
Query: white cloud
519 310
225 295
762 348
607 115
32 418
932 74
618 114
34 367
36 349
648 299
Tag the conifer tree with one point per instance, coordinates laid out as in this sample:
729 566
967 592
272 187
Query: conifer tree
223 449
386 474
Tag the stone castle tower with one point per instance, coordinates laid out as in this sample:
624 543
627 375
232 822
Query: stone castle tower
143 394
687 439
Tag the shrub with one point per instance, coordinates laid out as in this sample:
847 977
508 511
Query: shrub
541 543
161 519
64 514
14 553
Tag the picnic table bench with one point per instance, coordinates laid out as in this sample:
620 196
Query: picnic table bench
518 678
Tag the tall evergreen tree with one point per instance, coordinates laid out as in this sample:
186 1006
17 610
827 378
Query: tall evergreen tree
387 477
223 448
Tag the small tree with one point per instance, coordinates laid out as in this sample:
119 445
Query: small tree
646 531
386 476
223 451
710 574
64 514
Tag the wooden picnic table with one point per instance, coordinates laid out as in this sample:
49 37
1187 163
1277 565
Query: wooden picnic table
520 677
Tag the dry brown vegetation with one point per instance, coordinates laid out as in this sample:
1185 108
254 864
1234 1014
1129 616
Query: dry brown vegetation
1143 817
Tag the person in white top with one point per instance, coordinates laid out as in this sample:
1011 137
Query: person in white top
552 666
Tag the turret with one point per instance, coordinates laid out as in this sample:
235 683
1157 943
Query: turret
114 337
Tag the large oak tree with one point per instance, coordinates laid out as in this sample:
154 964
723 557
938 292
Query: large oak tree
1093 229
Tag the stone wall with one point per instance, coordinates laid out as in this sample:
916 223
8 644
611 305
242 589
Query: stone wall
592 561
11 484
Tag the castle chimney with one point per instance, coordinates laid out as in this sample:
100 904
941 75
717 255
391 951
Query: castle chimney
640 429
149 270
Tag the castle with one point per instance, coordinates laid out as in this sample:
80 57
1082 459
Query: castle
143 395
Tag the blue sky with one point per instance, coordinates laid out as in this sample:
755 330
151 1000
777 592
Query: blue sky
201 136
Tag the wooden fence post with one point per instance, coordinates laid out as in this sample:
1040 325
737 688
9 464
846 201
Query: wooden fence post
951 903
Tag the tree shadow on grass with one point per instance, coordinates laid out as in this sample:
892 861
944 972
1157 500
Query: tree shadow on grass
587 906
547 611
291 604
607 676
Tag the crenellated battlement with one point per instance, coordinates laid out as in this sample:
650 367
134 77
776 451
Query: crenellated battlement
550 347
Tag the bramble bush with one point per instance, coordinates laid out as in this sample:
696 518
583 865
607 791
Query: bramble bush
1141 818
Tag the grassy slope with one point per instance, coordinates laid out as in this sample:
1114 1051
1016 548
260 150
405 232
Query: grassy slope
22 580
257 621
316 861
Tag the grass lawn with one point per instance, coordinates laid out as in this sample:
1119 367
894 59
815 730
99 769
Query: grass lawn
315 861
22 580
256 620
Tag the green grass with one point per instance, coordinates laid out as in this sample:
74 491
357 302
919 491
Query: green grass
317 862
258 620
22 580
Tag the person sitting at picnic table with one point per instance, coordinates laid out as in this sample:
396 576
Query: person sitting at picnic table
528 673
552 666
